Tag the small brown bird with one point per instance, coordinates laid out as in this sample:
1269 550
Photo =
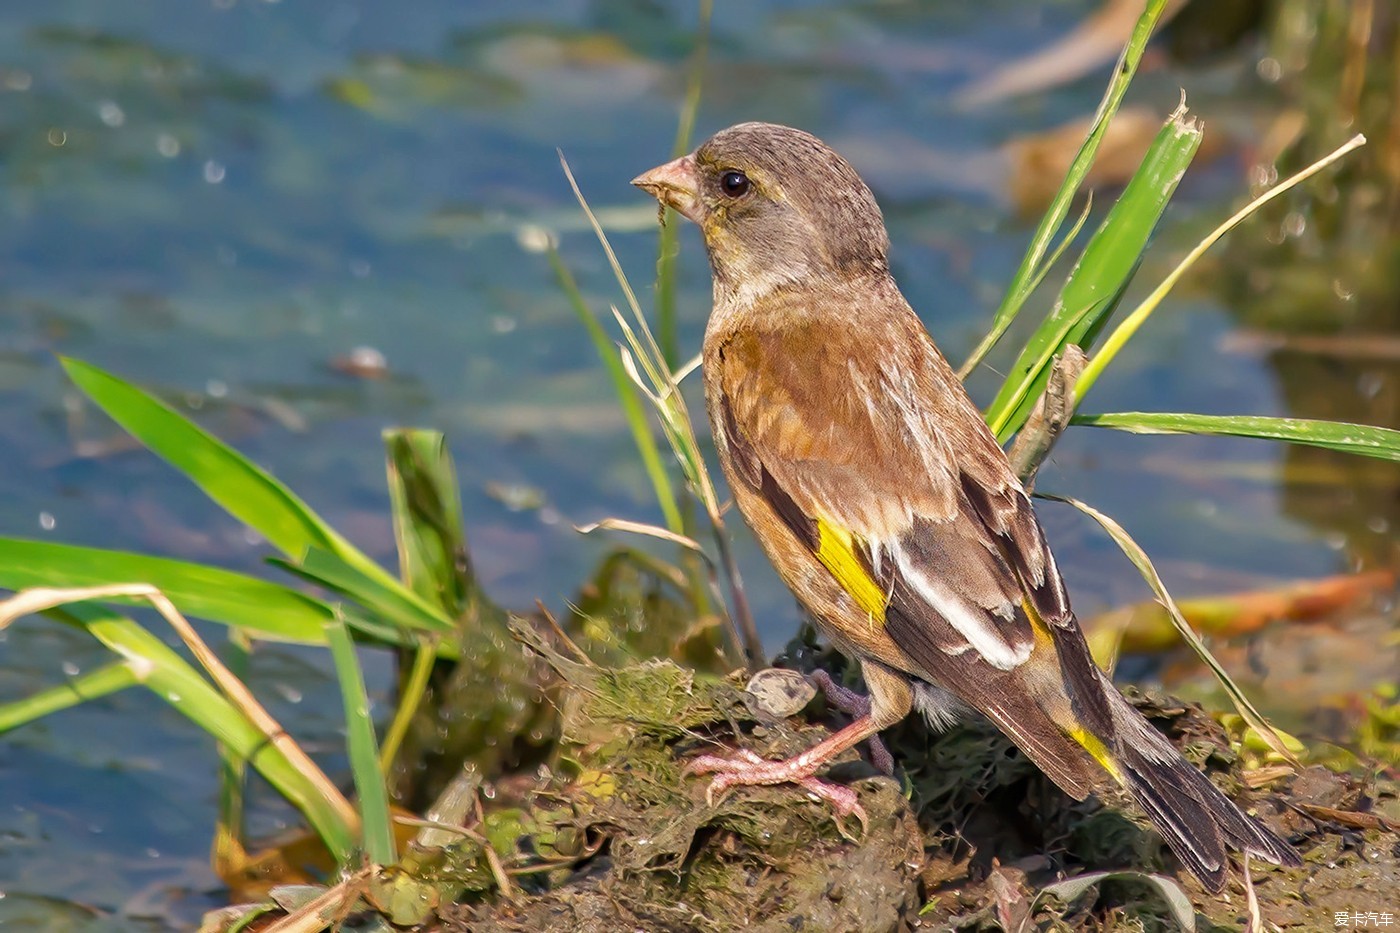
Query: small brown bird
875 487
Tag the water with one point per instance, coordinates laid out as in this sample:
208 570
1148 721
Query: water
219 200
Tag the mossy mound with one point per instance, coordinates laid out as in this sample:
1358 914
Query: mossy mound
971 836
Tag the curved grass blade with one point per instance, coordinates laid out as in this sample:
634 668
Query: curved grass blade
1098 280
1022 283
396 604
241 487
668 242
632 410
1176 899
1364 439
75 691
434 557
176 681
1130 324
1143 563
264 609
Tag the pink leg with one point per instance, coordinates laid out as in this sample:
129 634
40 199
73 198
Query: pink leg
747 769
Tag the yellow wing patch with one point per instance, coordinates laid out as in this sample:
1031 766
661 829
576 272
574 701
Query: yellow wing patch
1097 750
836 551
1086 740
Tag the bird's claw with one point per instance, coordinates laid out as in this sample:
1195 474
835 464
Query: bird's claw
745 768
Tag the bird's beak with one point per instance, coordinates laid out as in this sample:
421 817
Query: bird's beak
675 184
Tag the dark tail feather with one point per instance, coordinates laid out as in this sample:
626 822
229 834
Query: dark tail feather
1197 820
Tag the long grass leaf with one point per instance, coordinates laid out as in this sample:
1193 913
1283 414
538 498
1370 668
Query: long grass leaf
375 819
1102 274
1130 324
1364 439
176 681
396 604
1027 273
434 561
1143 563
267 610
1177 900
241 487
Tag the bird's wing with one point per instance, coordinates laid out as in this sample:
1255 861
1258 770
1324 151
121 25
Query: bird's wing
884 468
884 456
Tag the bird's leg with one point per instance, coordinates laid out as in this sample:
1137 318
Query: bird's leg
854 704
747 769
891 698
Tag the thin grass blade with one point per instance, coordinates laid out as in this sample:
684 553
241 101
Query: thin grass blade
375 818
1029 271
1143 563
632 409
396 604
668 245
176 681
74 691
267 610
1176 899
1363 439
1099 279
1130 324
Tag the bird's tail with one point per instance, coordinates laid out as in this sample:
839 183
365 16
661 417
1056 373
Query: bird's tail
1198 821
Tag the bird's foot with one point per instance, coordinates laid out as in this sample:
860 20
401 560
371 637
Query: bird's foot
746 769
857 705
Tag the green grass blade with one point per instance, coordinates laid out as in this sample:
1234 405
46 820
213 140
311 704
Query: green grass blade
73 692
1364 439
176 681
1143 563
396 604
266 610
1102 274
668 246
364 754
632 410
428 525
1028 272
229 850
1130 324
413 690
241 487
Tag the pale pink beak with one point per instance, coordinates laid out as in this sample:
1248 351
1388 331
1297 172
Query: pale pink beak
675 184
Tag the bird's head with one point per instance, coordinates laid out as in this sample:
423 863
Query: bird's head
776 206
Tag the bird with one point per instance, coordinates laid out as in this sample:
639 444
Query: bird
887 506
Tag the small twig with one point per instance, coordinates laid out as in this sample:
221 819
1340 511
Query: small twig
562 635
1255 923
328 909
1351 819
493 860
1049 417
743 617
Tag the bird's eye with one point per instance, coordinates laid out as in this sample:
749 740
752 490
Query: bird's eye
734 184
